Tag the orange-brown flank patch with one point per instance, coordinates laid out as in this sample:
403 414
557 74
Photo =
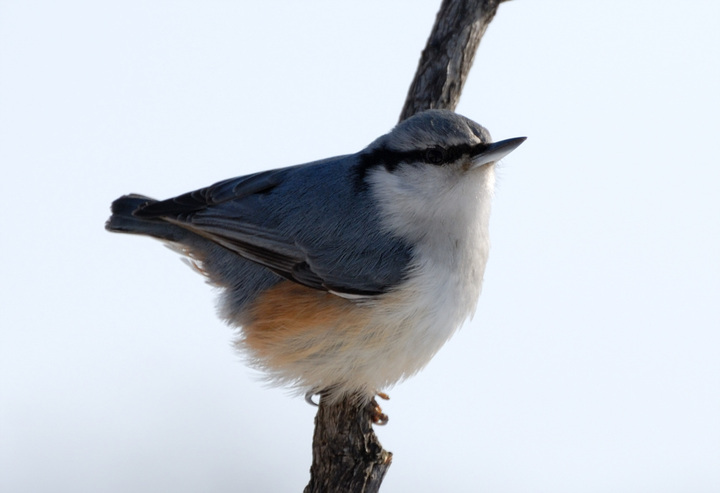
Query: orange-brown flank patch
290 323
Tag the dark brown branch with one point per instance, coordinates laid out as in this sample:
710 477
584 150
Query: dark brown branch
448 55
347 456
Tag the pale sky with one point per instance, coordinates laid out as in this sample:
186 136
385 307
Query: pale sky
593 361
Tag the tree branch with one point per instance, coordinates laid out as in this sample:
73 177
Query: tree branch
347 455
448 55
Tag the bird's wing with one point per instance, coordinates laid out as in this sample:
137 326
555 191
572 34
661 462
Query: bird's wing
242 215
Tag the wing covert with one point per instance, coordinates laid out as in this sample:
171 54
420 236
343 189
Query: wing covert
298 222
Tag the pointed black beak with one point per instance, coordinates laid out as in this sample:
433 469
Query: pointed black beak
494 152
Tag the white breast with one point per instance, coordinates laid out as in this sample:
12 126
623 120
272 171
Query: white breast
365 345
444 213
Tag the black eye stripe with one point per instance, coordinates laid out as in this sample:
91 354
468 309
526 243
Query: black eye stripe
391 159
432 155
436 155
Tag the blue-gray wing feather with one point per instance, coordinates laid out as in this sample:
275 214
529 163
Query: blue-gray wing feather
311 224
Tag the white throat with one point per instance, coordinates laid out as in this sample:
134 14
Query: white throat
444 213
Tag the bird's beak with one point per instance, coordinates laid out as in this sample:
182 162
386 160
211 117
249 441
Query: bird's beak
496 151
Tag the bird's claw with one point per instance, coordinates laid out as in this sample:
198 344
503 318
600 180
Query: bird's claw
309 398
377 416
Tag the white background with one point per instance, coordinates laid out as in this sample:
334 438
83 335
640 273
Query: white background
593 362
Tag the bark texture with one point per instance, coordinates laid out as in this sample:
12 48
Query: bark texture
446 60
347 455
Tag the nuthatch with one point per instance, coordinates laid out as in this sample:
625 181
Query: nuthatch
345 275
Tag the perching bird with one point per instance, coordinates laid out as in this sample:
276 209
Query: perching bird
344 275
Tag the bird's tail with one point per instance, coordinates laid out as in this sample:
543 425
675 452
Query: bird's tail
123 220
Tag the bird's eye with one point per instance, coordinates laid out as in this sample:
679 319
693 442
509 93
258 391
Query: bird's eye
435 155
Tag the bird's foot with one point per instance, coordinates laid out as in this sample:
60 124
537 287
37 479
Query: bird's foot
377 416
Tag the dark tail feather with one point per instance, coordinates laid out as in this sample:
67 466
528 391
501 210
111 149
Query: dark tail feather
123 220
